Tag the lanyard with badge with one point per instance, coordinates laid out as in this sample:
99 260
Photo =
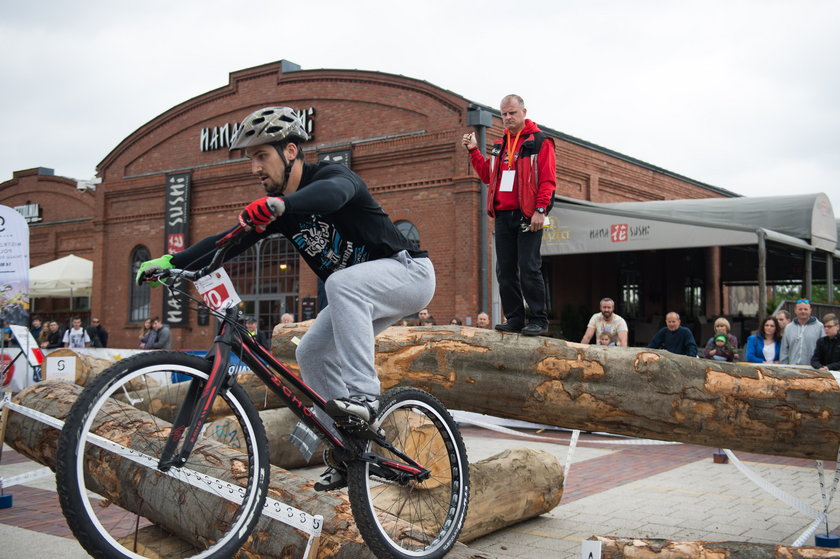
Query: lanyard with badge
509 175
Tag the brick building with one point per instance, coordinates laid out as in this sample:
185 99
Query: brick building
402 135
60 216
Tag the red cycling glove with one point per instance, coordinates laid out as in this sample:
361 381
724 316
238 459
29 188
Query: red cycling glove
259 213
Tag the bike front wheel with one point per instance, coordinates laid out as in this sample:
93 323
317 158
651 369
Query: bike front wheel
413 520
116 500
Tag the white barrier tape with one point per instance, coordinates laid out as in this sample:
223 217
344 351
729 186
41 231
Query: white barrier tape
6 482
311 524
780 494
572 445
471 420
631 442
783 496
809 531
223 489
34 414
498 428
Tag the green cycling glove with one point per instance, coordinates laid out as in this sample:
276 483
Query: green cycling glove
162 263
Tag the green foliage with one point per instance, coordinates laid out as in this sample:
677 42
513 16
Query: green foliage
792 292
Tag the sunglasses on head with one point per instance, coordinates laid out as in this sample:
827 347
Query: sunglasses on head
803 301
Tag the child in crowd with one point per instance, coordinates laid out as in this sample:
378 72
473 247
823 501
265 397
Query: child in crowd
720 349
604 338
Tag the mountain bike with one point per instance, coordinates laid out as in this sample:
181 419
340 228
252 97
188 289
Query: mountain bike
141 472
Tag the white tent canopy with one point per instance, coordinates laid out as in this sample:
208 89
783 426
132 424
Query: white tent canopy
70 276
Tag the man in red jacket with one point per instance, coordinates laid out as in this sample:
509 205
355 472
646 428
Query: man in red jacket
521 177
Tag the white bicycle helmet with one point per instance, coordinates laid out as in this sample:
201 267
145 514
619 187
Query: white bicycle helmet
269 126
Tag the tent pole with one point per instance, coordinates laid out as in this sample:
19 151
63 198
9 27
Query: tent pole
762 275
807 286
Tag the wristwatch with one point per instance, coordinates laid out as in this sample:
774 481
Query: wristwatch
540 210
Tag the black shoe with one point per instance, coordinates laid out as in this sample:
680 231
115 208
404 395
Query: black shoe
353 405
332 478
508 327
534 329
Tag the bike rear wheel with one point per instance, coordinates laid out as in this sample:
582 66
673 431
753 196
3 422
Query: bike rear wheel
415 520
115 499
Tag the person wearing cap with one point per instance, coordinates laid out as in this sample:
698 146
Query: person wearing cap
801 335
719 349
254 331
372 274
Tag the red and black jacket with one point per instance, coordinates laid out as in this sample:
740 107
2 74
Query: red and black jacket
535 165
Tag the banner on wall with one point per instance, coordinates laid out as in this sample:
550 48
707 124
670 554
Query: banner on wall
176 232
14 297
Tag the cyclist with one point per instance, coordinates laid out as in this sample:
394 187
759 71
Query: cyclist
373 276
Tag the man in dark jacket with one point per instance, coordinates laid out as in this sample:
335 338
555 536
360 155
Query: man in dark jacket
674 337
98 334
255 332
827 352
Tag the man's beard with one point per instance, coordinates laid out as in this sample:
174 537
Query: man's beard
272 188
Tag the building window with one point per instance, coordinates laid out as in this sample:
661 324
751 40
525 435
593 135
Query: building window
410 232
266 278
693 297
629 278
140 295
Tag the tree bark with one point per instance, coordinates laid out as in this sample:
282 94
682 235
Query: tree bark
162 401
621 548
88 366
271 539
629 391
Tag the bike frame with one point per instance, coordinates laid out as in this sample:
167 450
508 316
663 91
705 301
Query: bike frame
198 401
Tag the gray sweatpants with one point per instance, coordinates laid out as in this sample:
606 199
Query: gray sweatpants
336 354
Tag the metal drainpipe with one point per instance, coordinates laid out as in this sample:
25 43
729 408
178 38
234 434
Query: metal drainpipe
482 119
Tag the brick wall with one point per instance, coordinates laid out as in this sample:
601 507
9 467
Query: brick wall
404 135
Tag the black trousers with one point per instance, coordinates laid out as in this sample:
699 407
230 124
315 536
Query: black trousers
519 270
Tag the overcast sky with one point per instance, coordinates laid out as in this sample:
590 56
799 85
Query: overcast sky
742 95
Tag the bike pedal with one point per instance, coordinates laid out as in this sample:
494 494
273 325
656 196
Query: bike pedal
358 427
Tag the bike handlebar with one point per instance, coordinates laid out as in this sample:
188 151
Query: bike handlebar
223 245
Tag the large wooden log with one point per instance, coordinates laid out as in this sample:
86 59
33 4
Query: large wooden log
635 548
271 539
510 487
629 391
89 365
279 424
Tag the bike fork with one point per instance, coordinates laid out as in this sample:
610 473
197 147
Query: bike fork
195 410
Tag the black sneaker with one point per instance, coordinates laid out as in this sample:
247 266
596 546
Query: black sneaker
534 329
332 478
359 406
508 327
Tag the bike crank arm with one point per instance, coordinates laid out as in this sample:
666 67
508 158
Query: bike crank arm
396 471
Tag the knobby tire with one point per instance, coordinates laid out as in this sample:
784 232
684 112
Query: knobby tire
119 508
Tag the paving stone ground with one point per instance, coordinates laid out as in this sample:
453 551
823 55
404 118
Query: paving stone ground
670 491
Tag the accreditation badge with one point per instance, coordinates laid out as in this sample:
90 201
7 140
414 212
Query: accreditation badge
507 181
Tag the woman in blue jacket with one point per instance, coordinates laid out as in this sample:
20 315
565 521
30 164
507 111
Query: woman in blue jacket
764 345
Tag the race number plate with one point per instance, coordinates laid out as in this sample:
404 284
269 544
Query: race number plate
217 290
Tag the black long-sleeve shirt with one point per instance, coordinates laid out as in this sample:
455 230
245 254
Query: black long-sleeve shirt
679 341
827 353
332 220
